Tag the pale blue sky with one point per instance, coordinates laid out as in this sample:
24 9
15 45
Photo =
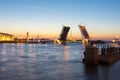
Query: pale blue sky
101 17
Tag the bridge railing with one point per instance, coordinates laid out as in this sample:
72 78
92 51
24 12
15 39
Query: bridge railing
108 48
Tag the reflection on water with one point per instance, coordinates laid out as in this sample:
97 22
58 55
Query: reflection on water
50 62
66 53
104 73
92 72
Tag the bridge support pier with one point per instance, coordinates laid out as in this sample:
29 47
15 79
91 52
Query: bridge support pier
91 55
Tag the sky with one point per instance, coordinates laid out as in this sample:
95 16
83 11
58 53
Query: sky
45 18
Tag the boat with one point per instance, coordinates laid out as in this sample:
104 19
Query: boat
44 40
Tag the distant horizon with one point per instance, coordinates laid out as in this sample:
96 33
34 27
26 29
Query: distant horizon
56 36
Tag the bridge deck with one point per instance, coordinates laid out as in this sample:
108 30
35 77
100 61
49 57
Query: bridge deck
108 59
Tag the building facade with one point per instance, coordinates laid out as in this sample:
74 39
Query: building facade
6 37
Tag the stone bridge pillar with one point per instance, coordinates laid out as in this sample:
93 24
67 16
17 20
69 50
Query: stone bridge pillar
91 55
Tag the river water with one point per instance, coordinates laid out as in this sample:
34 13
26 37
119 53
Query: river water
51 62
